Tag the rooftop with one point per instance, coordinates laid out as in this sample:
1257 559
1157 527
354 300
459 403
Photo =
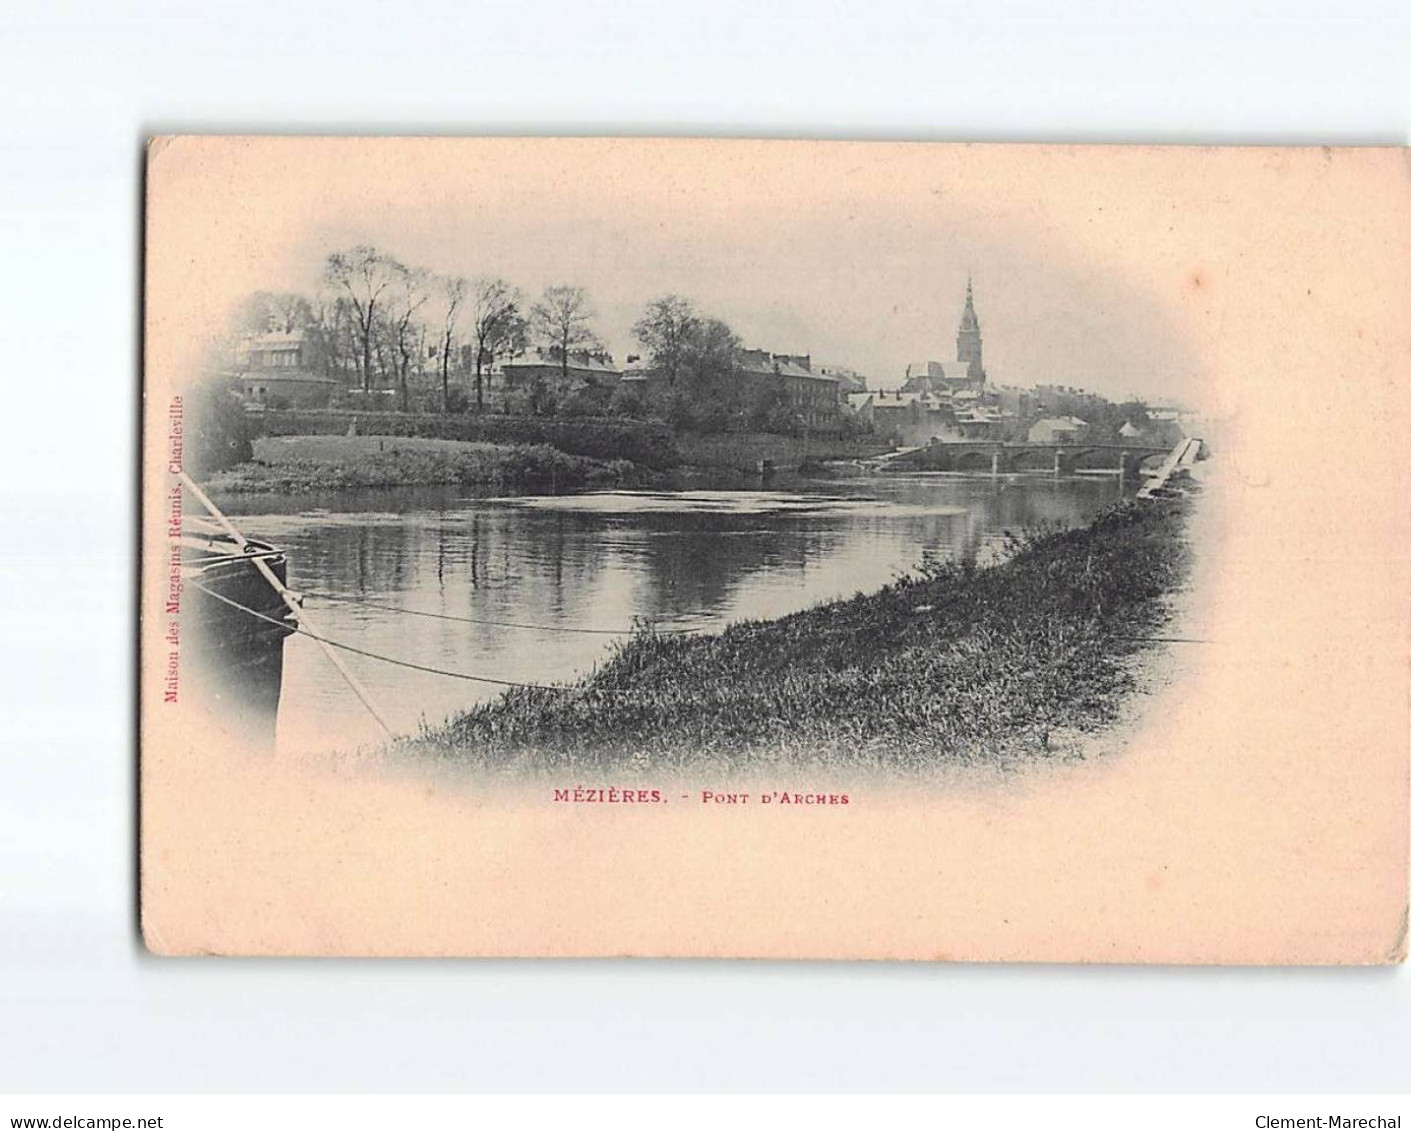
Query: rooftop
275 339
580 362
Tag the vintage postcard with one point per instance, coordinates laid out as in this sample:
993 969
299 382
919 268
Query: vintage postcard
779 549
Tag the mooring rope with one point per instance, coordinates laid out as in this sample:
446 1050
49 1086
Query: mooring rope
301 631
496 681
344 598
258 561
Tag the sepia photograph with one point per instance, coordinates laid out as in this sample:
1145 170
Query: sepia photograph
685 564
676 506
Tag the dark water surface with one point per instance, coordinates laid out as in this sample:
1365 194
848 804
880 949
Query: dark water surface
689 559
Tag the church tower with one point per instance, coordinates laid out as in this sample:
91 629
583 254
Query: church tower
967 338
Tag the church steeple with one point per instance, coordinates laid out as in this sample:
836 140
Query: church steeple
968 345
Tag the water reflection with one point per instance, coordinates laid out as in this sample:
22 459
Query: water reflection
602 561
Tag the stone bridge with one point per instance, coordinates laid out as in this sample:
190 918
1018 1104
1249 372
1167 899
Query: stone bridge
999 456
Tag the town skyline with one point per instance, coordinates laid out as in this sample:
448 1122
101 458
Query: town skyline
862 270
784 331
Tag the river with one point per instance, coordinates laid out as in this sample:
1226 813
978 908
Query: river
682 560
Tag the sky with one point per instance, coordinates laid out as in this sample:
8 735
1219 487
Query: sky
855 253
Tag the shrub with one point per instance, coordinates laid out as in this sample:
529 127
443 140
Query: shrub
531 466
642 442
220 430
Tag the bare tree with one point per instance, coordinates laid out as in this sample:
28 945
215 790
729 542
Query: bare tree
409 290
499 327
562 319
382 346
343 330
363 275
453 295
327 333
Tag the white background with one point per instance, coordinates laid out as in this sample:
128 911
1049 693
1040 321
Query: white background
82 1007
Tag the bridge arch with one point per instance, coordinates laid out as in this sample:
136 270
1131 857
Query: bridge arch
1032 459
1092 458
976 459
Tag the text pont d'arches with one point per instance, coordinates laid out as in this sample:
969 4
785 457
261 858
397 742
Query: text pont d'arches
612 795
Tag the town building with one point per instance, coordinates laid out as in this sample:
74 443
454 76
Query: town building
942 377
849 380
1015 402
941 400
278 369
540 369
966 372
813 396
1067 400
1057 430
911 418
982 422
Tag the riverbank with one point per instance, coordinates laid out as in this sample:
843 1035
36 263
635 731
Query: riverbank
294 464
952 664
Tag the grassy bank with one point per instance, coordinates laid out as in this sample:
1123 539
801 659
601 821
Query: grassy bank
644 443
335 463
950 664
